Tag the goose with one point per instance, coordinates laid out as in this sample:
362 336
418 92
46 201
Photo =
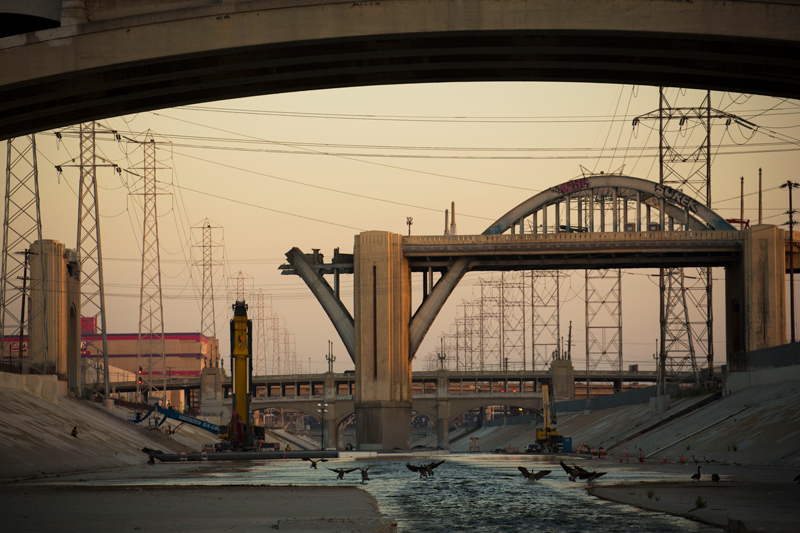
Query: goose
424 470
341 471
715 478
696 477
574 471
364 475
533 476
314 463
595 475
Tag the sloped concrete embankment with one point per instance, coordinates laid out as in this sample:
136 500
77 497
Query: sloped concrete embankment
36 436
755 426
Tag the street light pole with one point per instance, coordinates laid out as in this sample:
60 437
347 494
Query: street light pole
791 185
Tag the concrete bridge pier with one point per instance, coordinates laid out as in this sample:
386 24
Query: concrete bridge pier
211 394
382 307
755 296
443 411
327 410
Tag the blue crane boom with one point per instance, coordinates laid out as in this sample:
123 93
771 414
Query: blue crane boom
175 415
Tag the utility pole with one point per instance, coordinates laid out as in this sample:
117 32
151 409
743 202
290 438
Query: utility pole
741 203
409 221
791 185
24 278
330 357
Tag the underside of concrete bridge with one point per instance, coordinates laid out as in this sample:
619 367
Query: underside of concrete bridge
111 58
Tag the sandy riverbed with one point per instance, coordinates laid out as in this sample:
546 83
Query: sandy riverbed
68 508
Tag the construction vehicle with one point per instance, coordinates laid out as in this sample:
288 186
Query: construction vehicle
547 436
167 412
240 432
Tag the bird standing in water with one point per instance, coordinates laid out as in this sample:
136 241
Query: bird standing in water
364 475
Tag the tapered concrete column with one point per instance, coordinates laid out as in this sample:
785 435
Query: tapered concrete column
211 395
563 376
443 411
382 310
755 296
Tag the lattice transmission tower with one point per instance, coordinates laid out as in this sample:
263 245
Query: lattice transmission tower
90 258
208 327
260 357
687 333
151 354
22 226
546 317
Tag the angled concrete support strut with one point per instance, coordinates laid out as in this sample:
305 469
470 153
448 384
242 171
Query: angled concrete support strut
336 311
427 312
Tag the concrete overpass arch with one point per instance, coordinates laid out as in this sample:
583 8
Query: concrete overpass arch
111 58
461 408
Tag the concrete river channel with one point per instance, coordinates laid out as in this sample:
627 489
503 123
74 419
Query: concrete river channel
469 492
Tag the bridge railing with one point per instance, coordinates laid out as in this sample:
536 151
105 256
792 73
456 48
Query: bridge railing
609 236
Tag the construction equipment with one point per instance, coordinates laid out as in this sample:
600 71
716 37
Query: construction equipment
166 413
240 431
548 436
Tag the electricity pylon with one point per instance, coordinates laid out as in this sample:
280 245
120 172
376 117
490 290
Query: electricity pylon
150 355
22 226
90 259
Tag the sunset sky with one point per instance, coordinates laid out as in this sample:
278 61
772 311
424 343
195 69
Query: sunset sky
314 169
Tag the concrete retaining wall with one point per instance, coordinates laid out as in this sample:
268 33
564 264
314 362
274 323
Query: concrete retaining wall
738 381
45 387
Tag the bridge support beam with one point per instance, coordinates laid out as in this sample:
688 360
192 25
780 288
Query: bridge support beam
755 296
382 310
563 379
211 395
442 411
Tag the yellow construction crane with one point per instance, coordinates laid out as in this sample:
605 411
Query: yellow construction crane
241 433
548 435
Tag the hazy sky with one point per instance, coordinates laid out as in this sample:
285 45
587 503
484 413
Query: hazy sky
313 169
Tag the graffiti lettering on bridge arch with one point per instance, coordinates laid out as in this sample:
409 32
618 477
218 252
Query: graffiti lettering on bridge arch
676 196
572 186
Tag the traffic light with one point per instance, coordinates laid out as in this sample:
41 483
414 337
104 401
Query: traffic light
140 375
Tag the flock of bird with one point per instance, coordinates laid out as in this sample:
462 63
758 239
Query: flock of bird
426 470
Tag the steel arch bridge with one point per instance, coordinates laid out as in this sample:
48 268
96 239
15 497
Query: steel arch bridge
572 225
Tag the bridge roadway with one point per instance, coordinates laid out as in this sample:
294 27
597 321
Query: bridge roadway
304 381
110 58
631 249
442 396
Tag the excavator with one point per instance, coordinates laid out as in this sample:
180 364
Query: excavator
240 432
548 436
